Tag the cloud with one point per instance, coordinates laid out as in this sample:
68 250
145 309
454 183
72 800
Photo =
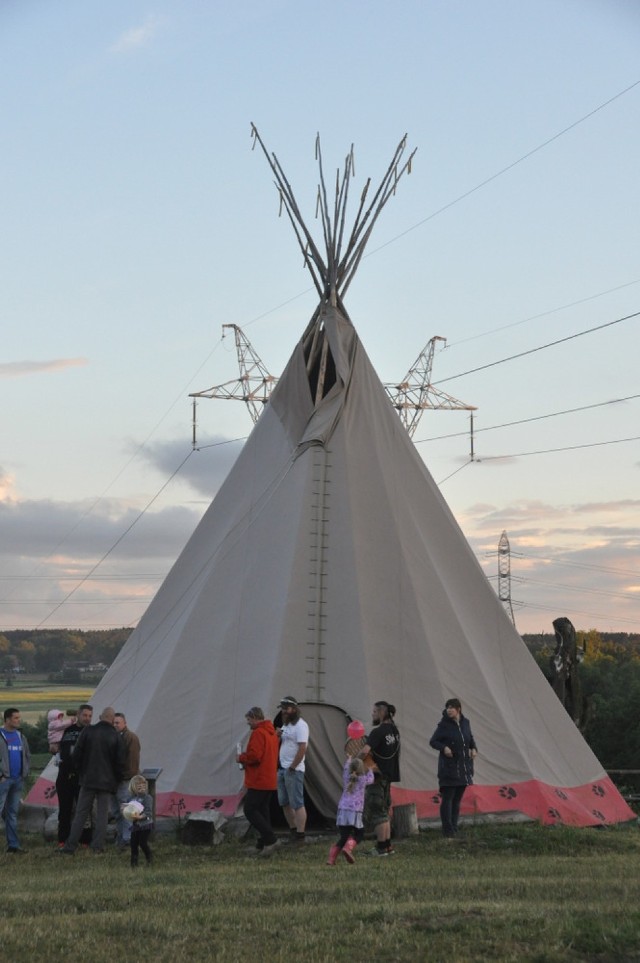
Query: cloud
205 470
137 37
17 369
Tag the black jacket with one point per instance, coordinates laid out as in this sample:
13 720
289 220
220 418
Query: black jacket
456 770
99 757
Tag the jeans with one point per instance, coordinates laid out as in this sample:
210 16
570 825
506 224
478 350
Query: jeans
123 795
10 795
451 797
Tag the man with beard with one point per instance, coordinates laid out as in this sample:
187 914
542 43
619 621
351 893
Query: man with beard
383 745
67 782
294 739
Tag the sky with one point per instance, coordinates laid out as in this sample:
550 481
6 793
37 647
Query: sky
137 220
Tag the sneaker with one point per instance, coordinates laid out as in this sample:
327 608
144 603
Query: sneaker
16 850
389 851
266 851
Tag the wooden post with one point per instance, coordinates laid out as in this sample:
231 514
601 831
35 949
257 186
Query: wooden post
404 821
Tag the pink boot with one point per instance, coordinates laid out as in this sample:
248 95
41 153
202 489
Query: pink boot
333 855
348 849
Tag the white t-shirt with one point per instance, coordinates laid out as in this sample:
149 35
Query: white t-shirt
292 734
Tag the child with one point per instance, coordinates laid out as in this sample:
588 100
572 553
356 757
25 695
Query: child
142 823
56 725
355 776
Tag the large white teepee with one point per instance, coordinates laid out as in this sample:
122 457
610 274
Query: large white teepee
330 567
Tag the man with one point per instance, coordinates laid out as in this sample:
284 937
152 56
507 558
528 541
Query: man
294 739
99 757
14 767
260 762
67 782
383 745
131 769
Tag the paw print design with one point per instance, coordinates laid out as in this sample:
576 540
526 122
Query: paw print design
598 814
560 794
553 813
436 799
507 792
598 790
50 792
213 803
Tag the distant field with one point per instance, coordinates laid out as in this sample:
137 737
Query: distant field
34 699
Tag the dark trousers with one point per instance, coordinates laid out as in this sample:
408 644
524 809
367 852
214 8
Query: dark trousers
83 808
256 809
451 797
140 841
67 790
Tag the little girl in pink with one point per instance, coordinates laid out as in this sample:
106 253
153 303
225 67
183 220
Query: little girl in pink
355 777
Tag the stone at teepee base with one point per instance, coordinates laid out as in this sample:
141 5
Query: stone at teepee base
203 829
404 821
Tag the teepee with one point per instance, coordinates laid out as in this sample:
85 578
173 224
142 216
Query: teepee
330 567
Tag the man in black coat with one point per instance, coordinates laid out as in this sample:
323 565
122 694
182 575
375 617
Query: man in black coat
99 757
67 783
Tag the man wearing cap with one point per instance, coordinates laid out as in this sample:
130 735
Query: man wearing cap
294 739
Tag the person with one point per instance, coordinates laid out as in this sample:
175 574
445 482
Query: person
67 781
294 739
383 746
131 769
355 779
142 822
57 724
15 759
99 757
260 762
454 741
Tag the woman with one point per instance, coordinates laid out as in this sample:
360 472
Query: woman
454 741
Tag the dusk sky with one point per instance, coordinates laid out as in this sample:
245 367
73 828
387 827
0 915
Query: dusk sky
136 221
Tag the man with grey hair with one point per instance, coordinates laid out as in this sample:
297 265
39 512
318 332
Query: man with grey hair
99 757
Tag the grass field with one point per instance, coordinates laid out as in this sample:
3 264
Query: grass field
34 699
517 893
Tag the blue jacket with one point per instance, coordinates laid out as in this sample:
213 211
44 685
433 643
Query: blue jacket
456 770
4 757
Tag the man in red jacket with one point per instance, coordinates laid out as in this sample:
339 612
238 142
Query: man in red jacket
260 761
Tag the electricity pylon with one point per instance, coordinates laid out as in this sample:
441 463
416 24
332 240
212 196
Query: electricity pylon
415 393
411 397
504 575
253 386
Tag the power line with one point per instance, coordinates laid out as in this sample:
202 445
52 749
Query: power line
542 314
509 167
524 421
552 451
542 347
561 561
466 194
117 542
591 615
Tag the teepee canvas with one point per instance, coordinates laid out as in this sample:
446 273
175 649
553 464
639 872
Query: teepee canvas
330 567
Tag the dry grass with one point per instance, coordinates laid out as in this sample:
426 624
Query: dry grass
505 893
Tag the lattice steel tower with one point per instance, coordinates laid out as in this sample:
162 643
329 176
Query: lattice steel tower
504 575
